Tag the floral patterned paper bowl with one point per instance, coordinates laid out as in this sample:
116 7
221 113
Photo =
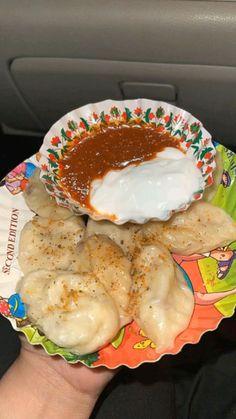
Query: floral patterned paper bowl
84 122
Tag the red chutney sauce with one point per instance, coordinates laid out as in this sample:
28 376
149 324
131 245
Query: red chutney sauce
109 149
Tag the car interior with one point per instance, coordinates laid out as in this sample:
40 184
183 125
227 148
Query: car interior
56 56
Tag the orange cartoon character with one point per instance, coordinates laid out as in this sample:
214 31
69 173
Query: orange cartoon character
224 257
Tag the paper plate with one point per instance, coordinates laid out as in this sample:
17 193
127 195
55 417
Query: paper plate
84 122
213 283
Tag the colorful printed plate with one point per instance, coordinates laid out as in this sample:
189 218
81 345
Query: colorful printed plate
84 122
213 282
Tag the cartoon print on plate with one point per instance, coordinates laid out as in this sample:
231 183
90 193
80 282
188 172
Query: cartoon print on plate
226 179
17 179
227 256
14 308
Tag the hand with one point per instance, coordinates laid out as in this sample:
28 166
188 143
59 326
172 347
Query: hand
42 386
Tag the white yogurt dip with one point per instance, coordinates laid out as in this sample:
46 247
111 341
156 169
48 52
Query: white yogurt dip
151 190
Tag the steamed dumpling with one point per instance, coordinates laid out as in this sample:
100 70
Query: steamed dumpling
40 202
49 244
123 235
161 302
101 256
201 228
73 310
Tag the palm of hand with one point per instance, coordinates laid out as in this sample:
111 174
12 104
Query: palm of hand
82 379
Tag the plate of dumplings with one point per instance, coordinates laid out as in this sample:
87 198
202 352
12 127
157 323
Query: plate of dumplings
104 294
